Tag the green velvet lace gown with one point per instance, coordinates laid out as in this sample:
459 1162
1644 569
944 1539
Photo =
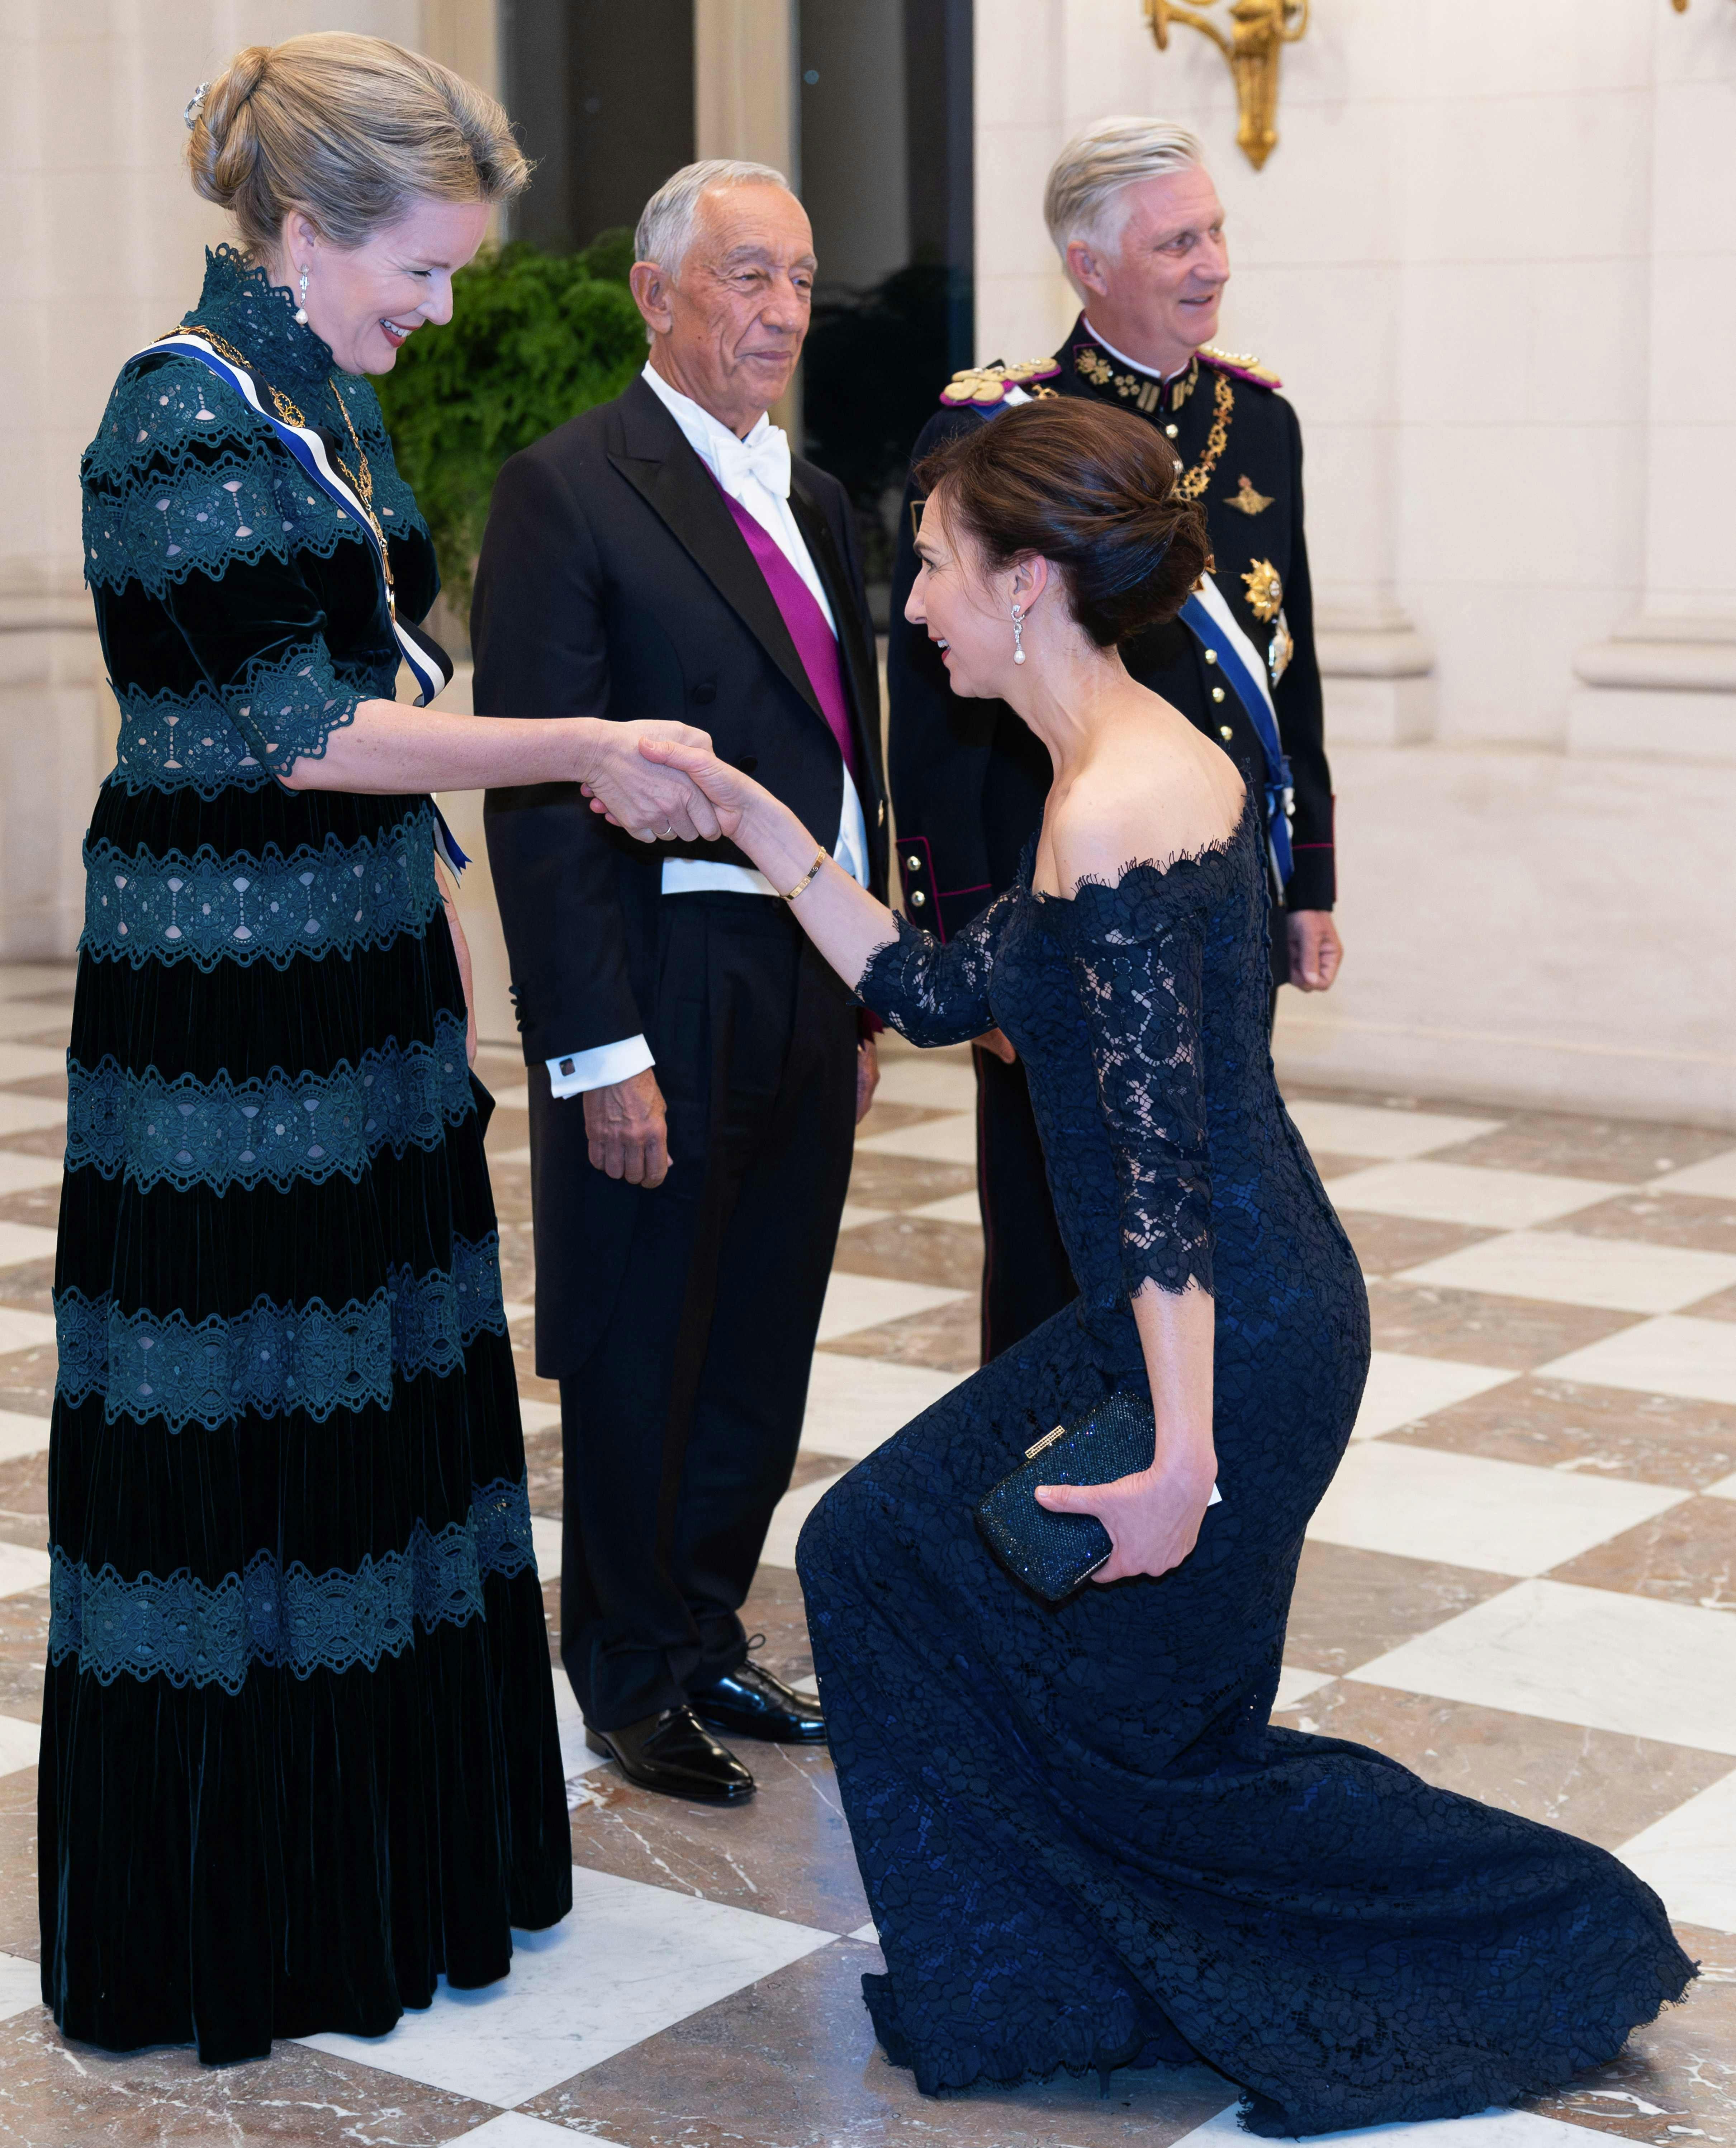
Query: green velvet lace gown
300 1755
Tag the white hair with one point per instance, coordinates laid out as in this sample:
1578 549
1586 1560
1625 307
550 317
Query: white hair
1085 197
664 231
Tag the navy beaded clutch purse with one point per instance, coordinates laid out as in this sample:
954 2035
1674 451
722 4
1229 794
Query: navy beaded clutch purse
1054 1554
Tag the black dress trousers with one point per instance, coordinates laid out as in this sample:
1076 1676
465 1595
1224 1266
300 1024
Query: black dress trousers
1026 1273
680 1429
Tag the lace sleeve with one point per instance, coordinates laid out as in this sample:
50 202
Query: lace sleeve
935 993
1141 1001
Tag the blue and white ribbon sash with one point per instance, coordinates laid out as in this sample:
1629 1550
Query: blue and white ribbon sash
1216 628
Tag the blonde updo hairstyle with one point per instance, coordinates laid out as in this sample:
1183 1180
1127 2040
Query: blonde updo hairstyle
350 130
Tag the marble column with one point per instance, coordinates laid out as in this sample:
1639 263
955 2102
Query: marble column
1662 684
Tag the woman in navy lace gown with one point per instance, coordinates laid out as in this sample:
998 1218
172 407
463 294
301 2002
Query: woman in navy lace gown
298 1753
1083 1840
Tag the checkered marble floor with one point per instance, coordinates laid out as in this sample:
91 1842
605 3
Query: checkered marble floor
1523 1584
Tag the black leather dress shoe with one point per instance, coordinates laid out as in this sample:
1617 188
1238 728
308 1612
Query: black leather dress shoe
672 1753
751 1702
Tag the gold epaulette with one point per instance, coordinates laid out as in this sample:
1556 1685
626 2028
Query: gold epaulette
1243 363
984 386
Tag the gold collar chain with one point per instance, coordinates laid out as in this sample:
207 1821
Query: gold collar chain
360 480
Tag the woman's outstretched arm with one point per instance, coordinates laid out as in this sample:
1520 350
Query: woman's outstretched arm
844 922
388 747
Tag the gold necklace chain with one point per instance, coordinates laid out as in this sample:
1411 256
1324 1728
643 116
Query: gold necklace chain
1192 485
360 479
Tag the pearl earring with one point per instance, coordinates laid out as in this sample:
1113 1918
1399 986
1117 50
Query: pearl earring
301 311
1018 634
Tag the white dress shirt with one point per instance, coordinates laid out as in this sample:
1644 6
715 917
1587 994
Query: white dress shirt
755 473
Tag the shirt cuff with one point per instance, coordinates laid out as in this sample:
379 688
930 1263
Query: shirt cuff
575 1071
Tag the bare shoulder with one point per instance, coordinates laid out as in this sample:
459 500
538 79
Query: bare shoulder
1152 795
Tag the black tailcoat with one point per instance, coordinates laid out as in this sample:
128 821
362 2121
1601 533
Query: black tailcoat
969 780
614 582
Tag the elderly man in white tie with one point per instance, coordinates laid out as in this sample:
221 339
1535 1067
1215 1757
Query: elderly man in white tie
695 1073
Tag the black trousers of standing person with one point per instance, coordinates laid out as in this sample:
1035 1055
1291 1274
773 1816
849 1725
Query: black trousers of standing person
679 1431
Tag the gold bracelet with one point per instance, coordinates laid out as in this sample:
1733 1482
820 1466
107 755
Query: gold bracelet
819 859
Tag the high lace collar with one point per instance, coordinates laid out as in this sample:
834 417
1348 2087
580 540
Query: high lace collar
246 309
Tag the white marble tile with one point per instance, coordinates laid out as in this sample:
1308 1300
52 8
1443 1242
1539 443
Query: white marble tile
854 1217
1715 1177
856 1403
808 1685
22 1434
20 1985
868 1933
25 1241
1401 1389
1619 1274
1632 1665
20 1174
854 1301
1366 1130
28 1114
1674 1356
516 1308
24 1331
1295 1684
24 1062
22 1568
630 1961
1493 2128
1724 1489
955 1208
787 1517
937 1085
511 1156
18 1018
539 1417
950 1140
1467 1193
1688 1857
518 2129
20 1744
545 1542
1469 1510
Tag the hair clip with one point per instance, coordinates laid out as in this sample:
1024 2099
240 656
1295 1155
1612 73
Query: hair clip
195 105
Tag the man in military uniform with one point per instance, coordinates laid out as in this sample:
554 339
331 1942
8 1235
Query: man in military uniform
1139 227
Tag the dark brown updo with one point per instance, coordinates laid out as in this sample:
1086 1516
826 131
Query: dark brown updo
1090 489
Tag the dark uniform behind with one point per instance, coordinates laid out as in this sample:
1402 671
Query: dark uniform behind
969 780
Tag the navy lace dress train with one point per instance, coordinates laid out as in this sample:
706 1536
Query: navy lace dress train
300 1755
1084 1842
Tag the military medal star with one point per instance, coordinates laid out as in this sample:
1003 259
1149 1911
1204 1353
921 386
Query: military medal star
1265 590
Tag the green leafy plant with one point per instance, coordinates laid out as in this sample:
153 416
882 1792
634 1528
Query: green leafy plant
535 339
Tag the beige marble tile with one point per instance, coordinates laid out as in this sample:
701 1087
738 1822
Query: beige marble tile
28 1174
915 1249
29 1285
1675 2083
886 1118
38 1201
1384 1244
1428 1190
1662 1219
1721 1306
856 1302
937 1137
793 2063
1686 1556
1379 1129
544 1475
786 1852
1572 1425
949 1338
1632 1149
1351 1606
905 1182
27 1379
57 2095
46 1137
1595 1784
1481 1328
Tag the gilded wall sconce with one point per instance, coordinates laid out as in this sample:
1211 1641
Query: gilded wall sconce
1259 32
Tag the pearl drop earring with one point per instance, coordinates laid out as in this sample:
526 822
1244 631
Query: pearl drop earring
1018 634
301 311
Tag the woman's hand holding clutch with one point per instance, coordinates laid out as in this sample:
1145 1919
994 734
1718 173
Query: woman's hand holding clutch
1153 1517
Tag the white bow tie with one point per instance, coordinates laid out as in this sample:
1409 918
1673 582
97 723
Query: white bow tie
765 454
